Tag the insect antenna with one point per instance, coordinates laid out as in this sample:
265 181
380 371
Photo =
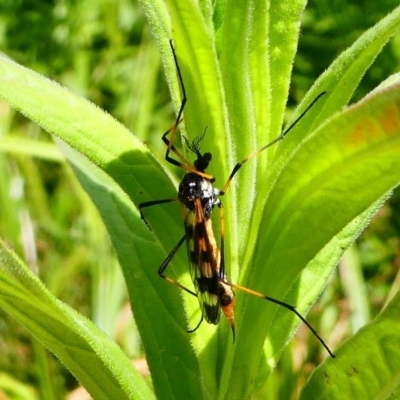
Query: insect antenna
194 146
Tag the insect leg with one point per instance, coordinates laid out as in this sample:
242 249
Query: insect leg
150 204
174 128
283 304
162 269
225 293
197 326
184 163
278 139
165 264
222 243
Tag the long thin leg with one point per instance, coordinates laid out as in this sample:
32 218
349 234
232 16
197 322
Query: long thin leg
227 307
184 163
170 142
150 204
222 242
197 326
283 304
162 269
278 139
165 264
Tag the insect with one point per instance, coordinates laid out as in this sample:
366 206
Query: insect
198 197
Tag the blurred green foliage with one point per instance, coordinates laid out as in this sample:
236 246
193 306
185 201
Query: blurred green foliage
328 28
99 49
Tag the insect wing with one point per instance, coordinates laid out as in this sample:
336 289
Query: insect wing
204 259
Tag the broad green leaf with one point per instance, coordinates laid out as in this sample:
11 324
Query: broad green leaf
130 169
299 204
159 317
357 59
256 52
367 366
342 169
96 361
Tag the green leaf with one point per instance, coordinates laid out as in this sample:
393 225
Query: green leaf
290 213
342 168
96 361
104 142
128 172
159 315
368 364
33 148
342 77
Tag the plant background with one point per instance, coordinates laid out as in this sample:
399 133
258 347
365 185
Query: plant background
103 50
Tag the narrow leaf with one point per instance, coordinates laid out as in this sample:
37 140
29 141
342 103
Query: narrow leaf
96 361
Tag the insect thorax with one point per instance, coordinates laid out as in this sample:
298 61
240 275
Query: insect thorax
194 187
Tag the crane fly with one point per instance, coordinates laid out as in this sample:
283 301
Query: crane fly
198 197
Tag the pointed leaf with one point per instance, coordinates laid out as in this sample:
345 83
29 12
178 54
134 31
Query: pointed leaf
96 361
368 364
